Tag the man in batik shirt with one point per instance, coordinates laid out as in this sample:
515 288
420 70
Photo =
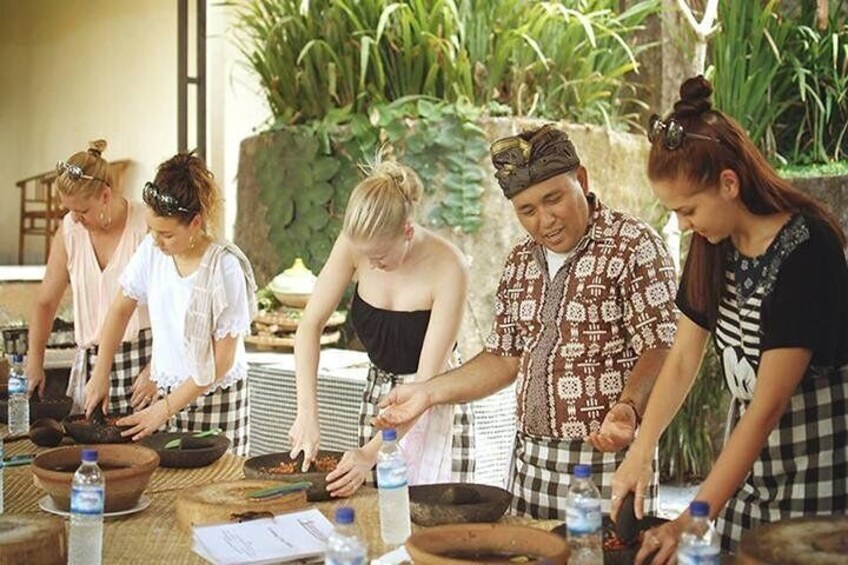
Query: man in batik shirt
584 317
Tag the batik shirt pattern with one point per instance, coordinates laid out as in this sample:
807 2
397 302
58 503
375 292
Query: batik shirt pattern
579 335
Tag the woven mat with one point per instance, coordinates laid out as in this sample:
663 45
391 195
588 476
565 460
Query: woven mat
227 468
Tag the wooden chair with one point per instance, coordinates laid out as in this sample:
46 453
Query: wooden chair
41 208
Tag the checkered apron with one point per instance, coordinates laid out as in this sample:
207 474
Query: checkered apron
803 468
378 386
224 408
541 469
130 359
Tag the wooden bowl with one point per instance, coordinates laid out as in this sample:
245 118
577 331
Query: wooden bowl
55 407
182 458
281 467
796 541
126 468
457 503
459 544
88 431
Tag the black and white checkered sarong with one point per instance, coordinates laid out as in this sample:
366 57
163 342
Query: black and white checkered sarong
224 408
541 469
378 386
130 359
803 468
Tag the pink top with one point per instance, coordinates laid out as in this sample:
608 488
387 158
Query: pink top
95 289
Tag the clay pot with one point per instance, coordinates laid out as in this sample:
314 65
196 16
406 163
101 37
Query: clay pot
281 467
205 451
46 432
293 286
457 503
458 544
126 468
89 431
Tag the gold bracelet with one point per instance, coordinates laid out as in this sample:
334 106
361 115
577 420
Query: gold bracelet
167 405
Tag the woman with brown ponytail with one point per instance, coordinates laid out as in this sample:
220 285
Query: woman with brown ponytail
200 294
766 278
98 236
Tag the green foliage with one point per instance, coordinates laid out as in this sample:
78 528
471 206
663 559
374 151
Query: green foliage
306 173
783 79
833 168
555 59
815 125
688 446
747 56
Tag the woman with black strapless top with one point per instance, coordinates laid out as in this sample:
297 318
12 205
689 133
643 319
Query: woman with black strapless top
411 287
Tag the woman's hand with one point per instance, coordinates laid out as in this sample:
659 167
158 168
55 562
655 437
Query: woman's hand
35 379
660 543
350 473
617 430
96 395
305 436
146 422
634 474
143 390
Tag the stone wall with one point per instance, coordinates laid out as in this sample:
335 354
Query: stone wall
832 191
615 162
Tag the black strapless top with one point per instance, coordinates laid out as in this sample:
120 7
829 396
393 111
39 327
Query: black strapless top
393 339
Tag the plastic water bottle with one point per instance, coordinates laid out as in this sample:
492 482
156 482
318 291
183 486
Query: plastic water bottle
395 524
699 543
583 518
345 546
18 401
88 495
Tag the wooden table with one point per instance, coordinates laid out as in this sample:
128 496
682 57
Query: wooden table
152 535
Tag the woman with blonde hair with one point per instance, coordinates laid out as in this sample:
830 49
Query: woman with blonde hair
411 286
98 235
201 297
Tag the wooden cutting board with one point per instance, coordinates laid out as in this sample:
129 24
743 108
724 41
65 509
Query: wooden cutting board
32 539
228 502
797 541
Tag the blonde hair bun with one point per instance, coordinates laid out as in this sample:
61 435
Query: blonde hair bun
97 147
403 178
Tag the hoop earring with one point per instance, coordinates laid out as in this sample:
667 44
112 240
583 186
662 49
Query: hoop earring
191 241
105 221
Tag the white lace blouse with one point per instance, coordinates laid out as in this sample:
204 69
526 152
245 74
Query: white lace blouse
151 278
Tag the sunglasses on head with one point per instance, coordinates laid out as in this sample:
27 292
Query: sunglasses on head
671 133
75 172
162 203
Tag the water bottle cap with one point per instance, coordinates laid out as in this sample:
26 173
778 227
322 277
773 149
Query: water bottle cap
17 358
389 434
699 509
582 471
89 455
344 515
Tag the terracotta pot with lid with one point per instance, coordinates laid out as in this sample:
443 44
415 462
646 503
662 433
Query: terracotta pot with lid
294 286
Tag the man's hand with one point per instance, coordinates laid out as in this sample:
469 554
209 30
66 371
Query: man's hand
305 436
143 390
617 430
146 422
403 405
350 473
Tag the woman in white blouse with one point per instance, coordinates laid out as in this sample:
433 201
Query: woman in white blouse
200 294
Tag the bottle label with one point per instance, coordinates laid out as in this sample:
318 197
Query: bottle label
391 475
17 385
583 517
704 555
87 500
